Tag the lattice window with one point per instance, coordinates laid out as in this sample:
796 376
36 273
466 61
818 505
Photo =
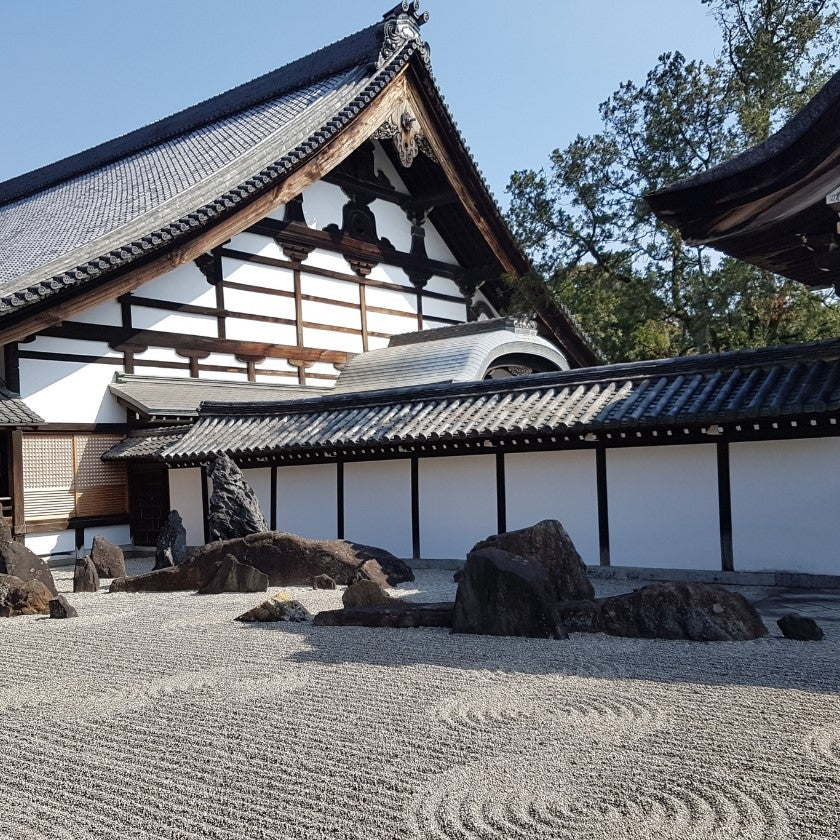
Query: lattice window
64 476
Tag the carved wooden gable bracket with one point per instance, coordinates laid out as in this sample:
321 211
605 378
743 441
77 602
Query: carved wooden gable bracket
403 128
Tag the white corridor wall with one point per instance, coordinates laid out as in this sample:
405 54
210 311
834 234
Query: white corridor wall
307 498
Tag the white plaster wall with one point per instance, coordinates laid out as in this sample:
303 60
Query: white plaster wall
326 368
382 163
555 485
185 284
117 534
443 286
329 340
257 303
244 329
390 324
149 370
185 497
109 313
390 274
392 224
785 499
322 203
445 309
663 507
391 299
52 542
436 248
457 498
331 315
329 260
258 276
306 500
70 392
328 287
161 320
478 297
377 504
260 482
250 243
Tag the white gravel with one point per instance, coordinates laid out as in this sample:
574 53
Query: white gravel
158 716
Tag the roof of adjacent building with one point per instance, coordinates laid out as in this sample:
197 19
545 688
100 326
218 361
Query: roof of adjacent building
461 353
72 225
742 387
758 205
15 412
170 398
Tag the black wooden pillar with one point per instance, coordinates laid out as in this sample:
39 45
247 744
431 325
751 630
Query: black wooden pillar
724 507
339 499
415 508
272 514
501 498
205 504
603 511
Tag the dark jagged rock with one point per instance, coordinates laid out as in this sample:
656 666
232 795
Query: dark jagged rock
20 562
234 510
286 559
278 608
672 610
396 614
800 627
171 549
108 558
501 594
23 597
60 607
396 571
548 544
365 593
233 576
323 582
85 576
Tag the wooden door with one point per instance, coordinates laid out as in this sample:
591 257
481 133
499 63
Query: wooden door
148 502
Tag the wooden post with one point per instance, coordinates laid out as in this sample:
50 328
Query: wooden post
501 499
603 511
16 484
272 518
727 560
339 500
415 508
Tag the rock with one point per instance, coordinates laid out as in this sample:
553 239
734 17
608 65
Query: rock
365 593
501 594
323 582
85 576
396 614
23 597
234 510
580 616
233 576
548 544
278 608
676 610
171 549
396 571
108 558
20 562
800 627
286 559
60 607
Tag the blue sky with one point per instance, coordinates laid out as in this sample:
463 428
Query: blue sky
521 78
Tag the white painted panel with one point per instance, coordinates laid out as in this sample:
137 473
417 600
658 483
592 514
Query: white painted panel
390 324
277 213
52 542
457 504
255 303
306 500
479 298
392 224
785 498
277 378
260 482
328 287
162 320
328 260
322 203
555 485
185 284
391 299
185 497
45 344
250 243
663 507
275 364
117 534
70 392
377 504
326 313
382 163
390 274
160 354
445 309
327 340
244 329
376 343
258 276
109 313
436 248
326 368
442 286
148 370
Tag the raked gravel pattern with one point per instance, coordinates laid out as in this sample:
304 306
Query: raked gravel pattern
158 716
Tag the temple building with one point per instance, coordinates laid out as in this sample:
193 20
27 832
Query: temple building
309 273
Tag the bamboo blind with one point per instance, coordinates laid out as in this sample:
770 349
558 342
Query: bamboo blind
63 476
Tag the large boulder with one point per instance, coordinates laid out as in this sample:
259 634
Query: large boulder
501 594
20 562
279 608
365 593
548 544
285 559
85 576
397 613
672 610
108 558
233 576
396 570
171 549
23 597
234 510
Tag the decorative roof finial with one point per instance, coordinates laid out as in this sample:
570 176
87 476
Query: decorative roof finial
402 25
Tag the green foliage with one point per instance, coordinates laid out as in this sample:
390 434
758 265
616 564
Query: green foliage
636 287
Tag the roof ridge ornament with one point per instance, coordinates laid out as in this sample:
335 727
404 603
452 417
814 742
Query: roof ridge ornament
402 26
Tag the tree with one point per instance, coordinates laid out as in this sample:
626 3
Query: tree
638 289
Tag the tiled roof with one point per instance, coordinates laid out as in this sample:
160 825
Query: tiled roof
15 412
144 444
178 397
729 388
